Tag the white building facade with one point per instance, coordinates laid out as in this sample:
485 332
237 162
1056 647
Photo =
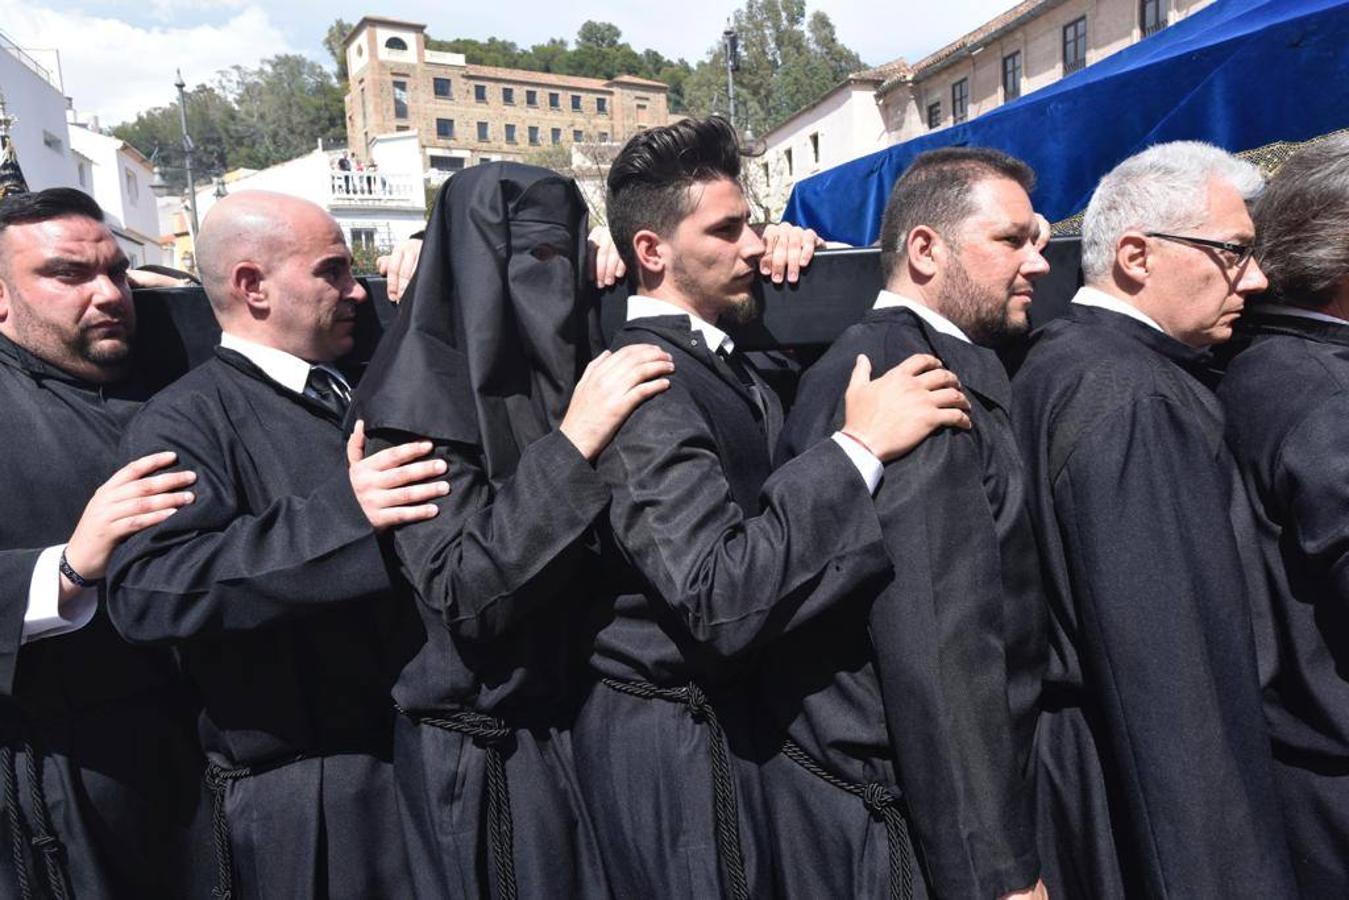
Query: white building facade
119 177
30 83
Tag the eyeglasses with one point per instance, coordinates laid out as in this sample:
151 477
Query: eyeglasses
1242 252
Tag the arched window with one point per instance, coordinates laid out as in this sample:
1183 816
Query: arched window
396 43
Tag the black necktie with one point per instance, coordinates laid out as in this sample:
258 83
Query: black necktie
327 389
736 363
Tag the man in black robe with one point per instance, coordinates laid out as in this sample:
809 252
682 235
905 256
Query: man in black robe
489 359
1288 427
99 767
1155 776
926 687
707 556
272 587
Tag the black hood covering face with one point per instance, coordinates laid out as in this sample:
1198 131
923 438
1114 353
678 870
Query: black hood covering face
497 325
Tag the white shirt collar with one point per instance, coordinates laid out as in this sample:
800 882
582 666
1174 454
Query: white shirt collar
1090 296
643 307
936 320
284 368
1283 309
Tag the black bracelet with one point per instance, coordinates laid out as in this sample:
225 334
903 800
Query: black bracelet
75 577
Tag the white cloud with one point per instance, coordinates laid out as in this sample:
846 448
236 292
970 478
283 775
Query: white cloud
114 70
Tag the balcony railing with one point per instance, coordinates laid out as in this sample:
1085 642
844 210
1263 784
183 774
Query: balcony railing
1154 27
372 189
1072 65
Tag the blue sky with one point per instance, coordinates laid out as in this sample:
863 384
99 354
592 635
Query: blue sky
118 57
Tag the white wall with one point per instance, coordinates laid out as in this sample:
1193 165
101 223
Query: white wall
39 132
120 182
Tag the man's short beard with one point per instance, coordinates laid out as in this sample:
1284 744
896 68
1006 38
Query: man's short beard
983 314
736 311
743 311
48 343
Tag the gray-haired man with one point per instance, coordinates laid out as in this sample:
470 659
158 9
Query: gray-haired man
1155 776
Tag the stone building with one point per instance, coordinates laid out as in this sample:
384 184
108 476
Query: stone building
1031 45
465 114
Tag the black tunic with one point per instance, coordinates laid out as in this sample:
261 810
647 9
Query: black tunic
1287 404
273 589
929 685
1155 775
107 721
710 558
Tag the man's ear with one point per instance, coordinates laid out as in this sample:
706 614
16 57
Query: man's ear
246 283
925 251
5 296
650 251
1132 258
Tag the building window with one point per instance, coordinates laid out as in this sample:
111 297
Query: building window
787 159
557 135
445 129
443 88
1151 16
531 98
84 174
577 136
396 43
401 128
934 115
133 187
815 148
508 96
576 102
480 93
602 105
51 141
1074 45
554 100
484 160
446 163
510 134
764 168
483 133
400 99
604 137
1011 76
960 101
363 239
533 135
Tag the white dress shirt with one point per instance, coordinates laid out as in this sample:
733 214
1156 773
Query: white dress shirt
46 615
642 307
1090 296
938 322
286 369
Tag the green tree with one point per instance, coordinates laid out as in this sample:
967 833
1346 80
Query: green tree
598 34
332 42
785 64
213 122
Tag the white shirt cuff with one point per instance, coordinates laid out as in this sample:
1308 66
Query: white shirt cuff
46 616
868 466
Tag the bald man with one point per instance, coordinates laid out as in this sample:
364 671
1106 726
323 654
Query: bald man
273 589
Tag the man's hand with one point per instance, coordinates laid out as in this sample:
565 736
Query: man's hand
787 250
399 266
1038 892
393 486
602 260
140 278
134 498
893 414
612 386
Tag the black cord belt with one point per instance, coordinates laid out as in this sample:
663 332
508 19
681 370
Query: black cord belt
724 808
489 733
43 839
218 780
883 805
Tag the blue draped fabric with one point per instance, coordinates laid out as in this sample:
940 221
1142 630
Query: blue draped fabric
1238 73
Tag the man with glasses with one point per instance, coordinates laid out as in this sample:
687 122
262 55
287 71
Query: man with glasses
1155 776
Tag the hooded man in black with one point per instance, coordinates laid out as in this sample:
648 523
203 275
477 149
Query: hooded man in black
927 688
275 592
708 557
1287 403
1155 776
489 359
99 769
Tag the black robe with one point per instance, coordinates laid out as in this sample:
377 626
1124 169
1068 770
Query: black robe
1287 403
1155 776
105 725
709 558
496 329
273 590
929 686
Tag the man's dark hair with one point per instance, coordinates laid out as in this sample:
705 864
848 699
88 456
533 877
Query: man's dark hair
935 191
649 181
41 206
1302 225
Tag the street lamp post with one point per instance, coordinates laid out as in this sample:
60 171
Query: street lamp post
187 152
731 40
